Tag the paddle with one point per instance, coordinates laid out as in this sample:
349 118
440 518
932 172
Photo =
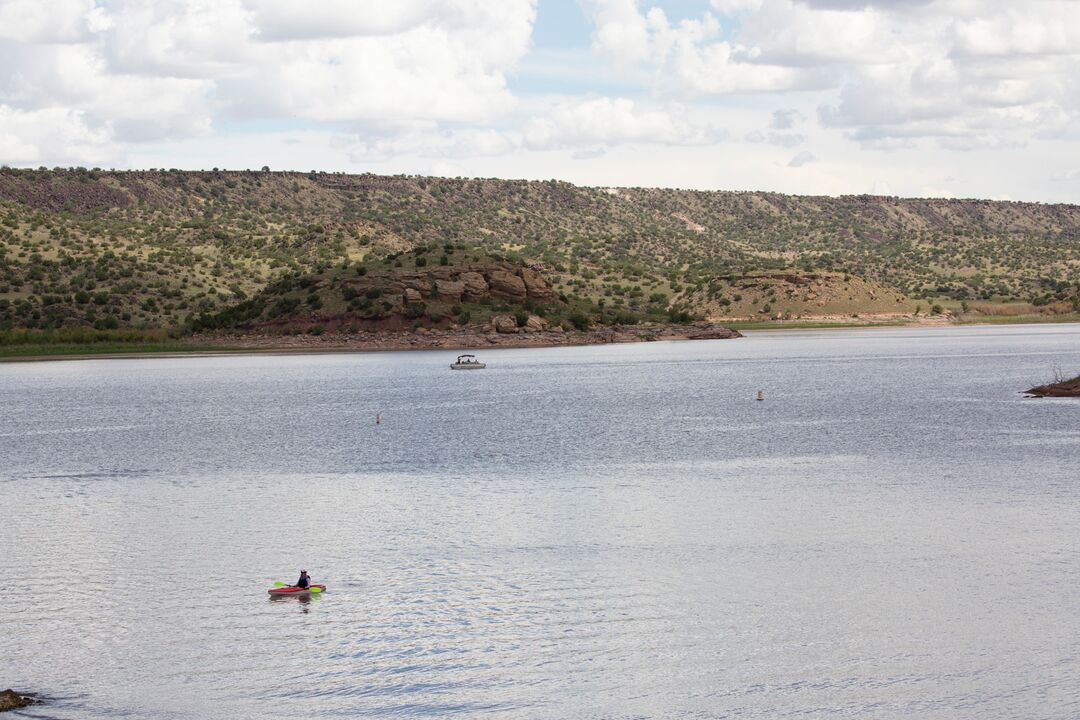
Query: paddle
312 589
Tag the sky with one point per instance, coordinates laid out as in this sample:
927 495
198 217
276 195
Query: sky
931 98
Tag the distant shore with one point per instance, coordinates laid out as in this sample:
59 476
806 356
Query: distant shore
465 339
421 339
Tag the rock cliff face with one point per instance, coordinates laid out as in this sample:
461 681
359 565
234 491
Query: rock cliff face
403 292
472 282
442 297
506 285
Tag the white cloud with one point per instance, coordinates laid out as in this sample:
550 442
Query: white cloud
56 21
144 71
419 84
291 20
686 58
734 7
586 126
790 34
623 34
73 77
425 141
786 119
590 154
863 4
1029 28
613 121
425 74
787 140
988 74
51 137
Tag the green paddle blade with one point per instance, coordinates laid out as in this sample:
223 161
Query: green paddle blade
316 590
280 584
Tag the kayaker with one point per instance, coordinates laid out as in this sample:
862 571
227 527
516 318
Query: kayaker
304 580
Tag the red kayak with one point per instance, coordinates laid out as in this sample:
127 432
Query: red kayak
292 591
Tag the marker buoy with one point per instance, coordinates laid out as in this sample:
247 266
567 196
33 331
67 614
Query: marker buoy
378 419
760 395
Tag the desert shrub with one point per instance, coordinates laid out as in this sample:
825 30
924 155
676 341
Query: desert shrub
579 320
284 306
681 317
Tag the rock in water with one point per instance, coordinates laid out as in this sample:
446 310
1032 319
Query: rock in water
11 700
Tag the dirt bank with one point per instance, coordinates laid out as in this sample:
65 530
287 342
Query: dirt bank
465 338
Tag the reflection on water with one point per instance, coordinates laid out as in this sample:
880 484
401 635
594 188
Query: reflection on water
303 601
617 531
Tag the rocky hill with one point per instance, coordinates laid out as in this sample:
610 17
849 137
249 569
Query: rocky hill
112 249
428 287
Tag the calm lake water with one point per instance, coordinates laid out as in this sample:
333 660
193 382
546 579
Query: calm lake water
602 532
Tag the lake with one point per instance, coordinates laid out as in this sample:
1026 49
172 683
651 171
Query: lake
593 532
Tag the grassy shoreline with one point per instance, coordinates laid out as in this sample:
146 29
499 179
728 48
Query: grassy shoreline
79 341
80 350
159 344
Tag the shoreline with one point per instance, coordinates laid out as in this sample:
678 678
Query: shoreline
255 344
474 340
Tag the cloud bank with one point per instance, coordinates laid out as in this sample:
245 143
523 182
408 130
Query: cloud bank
803 95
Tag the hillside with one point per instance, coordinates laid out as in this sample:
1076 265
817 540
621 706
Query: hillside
158 249
429 287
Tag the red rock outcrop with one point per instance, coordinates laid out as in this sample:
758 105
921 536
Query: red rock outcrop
506 286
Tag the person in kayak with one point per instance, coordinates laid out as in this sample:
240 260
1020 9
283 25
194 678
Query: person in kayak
304 581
